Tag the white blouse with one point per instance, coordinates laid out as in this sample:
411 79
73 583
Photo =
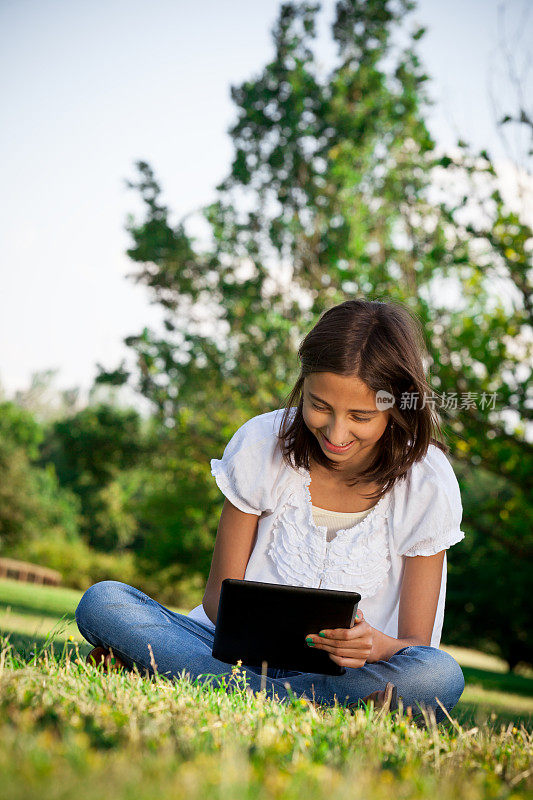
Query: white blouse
420 515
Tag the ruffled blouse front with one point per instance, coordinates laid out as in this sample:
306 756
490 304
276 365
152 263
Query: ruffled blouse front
420 515
357 556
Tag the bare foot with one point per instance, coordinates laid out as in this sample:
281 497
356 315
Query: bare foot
100 655
387 699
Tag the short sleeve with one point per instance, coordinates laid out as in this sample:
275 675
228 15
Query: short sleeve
250 466
428 516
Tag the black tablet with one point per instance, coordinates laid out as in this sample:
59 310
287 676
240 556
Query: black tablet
259 622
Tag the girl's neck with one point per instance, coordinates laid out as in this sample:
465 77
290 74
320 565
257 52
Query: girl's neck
344 472
330 490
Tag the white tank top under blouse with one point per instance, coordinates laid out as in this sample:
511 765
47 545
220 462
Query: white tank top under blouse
299 544
335 521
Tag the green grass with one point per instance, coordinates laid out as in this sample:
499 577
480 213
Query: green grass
28 613
69 729
38 600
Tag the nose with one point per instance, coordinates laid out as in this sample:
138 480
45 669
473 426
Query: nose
339 435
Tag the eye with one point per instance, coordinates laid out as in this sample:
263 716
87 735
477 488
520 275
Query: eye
354 417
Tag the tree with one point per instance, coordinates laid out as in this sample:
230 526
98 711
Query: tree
331 195
44 402
32 503
92 452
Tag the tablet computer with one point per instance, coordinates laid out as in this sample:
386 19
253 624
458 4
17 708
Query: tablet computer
259 622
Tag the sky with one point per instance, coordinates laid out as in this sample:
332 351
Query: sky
89 88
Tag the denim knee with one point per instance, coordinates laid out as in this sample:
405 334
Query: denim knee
89 609
434 673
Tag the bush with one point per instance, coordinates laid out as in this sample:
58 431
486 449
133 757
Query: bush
80 567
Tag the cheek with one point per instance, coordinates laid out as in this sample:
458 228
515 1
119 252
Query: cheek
311 419
379 429
369 432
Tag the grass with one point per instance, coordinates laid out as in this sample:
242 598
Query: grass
67 728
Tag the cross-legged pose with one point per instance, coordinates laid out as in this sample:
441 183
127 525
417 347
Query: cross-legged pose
347 486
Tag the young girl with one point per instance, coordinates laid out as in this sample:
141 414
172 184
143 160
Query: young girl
346 487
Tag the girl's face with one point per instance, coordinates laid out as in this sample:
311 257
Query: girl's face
341 410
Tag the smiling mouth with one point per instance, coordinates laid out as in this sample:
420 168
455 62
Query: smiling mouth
337 448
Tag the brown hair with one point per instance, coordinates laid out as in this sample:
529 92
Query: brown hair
382 344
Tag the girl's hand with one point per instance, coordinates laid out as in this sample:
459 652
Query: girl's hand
348 647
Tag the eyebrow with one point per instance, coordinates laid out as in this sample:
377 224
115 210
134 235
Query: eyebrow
357 410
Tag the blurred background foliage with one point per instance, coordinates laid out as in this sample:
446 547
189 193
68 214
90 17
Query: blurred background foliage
335 191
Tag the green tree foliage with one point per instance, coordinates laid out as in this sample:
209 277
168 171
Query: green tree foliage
336 191
19 428
93 452
32 503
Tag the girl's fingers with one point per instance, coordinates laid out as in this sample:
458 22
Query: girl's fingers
347 640
346 661
339 633
343 639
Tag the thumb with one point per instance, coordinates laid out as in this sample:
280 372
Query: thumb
359 616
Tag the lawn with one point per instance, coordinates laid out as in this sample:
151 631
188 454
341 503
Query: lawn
29 613
67 728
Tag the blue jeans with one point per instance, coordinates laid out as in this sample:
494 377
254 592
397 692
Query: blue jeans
114 614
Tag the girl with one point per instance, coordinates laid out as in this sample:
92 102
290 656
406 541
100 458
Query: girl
346 487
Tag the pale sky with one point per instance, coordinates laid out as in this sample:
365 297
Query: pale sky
91 87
